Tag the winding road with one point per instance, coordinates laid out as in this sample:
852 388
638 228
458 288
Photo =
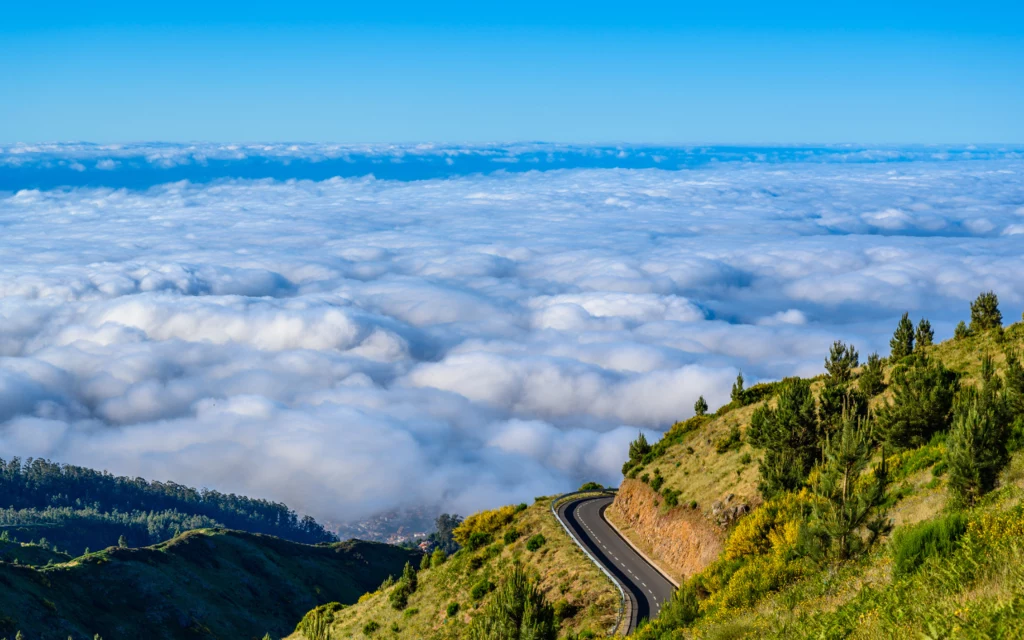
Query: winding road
644 585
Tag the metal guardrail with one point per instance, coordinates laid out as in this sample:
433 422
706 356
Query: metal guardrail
622 592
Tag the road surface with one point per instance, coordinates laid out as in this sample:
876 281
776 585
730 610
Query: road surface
644 585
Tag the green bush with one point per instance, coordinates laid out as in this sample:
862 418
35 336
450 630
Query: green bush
591 486
479 539
370 628
399 596
535 542
911 546
658 480
437 558
481 589
453 608
511 535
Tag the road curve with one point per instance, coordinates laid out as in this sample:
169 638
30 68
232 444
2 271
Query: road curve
646 588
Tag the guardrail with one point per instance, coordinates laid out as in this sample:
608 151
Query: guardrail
555 502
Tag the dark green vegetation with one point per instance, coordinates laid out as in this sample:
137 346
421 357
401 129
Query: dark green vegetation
210 583
76 508
927 439
518 611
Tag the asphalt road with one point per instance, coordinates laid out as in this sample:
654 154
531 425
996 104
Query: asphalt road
643 584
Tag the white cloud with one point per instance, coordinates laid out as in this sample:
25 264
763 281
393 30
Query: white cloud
352 345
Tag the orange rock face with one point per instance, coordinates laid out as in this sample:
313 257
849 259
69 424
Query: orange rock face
681 541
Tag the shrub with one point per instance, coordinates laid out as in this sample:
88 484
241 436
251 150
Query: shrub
911 546
453 608
481 589
474 564
565 610
511 535
671 496
370 628
657 480
399 596
731 441
518 610
591 486
745 458
520 507
487 522
536 542
437 558
478 539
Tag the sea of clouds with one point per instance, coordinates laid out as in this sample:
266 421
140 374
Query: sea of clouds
352 345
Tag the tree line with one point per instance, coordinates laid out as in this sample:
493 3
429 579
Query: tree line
92 508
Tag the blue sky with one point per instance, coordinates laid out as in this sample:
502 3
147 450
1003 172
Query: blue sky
579 72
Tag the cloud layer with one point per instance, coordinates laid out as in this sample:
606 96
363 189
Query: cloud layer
354 345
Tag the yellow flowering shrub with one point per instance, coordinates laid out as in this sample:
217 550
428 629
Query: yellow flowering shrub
485 522
774 524
992 528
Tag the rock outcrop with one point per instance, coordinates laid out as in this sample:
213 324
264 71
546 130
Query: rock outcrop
682 541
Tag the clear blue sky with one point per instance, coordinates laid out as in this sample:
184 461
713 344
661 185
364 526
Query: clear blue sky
500 71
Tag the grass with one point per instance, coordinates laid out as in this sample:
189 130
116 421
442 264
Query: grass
212 583
449 596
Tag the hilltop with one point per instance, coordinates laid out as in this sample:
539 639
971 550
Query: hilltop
207 583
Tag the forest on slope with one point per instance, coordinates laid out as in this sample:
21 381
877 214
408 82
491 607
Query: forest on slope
75 508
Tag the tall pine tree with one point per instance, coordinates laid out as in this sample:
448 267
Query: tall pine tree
985 312
902 343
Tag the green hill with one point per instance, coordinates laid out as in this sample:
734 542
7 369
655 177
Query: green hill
209 583
947 556
450 595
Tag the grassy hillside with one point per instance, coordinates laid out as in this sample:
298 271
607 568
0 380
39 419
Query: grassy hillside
947 569
29 553
209 583
584 598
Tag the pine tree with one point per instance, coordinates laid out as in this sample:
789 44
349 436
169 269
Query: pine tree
849 510
921 405
961 332
409 575
902 343
976 450
639 448
841 361
871 381
985 313
790 437
924 337
701 406
425 561
517 611
737 394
